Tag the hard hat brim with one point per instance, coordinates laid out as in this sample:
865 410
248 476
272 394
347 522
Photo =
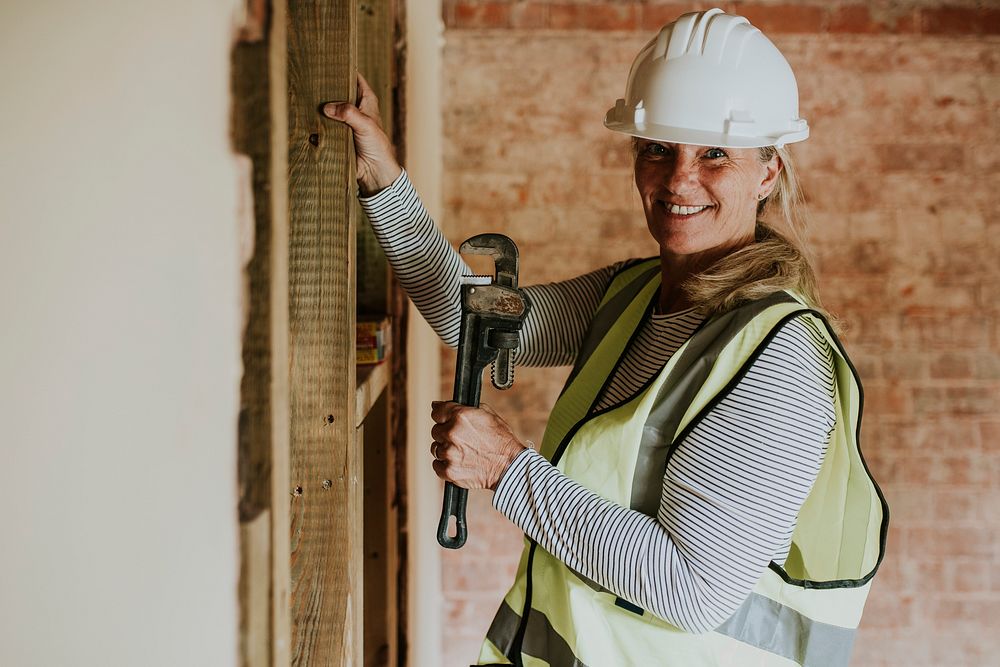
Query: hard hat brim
681 135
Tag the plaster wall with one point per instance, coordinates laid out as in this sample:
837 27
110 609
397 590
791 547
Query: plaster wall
120 357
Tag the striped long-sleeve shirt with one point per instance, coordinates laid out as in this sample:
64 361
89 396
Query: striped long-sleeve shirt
733 488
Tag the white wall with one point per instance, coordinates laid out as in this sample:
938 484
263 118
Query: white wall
120 338
425 40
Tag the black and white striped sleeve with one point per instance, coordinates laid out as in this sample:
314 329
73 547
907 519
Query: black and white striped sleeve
731 494
430 271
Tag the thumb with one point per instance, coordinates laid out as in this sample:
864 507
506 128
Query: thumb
334 110
345 112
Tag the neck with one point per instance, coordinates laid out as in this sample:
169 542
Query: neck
674 272
676 269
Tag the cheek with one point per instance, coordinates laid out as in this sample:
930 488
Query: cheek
733 192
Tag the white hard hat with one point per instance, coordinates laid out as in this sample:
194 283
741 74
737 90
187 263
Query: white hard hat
710 79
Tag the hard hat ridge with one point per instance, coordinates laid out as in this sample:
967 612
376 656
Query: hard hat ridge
710 78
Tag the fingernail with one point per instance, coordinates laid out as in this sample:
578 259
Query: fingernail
331 109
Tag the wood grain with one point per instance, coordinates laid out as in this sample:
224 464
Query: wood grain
325 461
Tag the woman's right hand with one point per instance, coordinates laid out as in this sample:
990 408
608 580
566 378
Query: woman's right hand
377 165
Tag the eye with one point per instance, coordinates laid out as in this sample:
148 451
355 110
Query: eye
655 150
715 153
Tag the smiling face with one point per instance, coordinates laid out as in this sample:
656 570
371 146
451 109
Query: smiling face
701 200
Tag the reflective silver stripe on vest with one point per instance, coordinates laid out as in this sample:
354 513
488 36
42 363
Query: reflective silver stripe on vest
540 639
775 628
680 388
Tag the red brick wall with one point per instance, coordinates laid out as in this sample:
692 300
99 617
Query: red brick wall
901 176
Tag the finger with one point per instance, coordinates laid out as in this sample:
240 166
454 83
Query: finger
438 433
439 450
441 411
367 99
347 113
440 468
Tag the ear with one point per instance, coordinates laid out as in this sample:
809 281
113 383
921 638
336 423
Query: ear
773 168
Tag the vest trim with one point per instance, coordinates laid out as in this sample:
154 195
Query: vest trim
518 641
884 528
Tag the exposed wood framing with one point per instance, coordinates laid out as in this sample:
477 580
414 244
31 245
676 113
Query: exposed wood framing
304 586
326 462
252 136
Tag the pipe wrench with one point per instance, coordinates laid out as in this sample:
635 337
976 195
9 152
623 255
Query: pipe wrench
493 310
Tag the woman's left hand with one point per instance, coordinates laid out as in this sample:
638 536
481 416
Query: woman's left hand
472 447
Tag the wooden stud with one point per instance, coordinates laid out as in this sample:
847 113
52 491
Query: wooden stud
326 541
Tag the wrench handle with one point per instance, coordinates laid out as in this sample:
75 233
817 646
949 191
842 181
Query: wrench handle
455 501
468 387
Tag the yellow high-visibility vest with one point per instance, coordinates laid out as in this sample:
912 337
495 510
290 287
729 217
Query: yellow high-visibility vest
802 612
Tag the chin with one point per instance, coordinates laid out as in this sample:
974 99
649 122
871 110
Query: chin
678 241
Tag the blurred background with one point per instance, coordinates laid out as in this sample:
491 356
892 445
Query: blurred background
125 225
901 177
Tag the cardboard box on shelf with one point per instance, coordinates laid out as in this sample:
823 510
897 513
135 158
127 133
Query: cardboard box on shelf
373 340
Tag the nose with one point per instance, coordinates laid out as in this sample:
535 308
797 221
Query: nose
681 175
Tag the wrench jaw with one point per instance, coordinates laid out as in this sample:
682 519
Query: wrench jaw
501 299
503 251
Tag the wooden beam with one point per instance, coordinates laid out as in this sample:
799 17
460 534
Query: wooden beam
325 462
372 381
251 135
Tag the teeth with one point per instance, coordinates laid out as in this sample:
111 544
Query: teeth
684 210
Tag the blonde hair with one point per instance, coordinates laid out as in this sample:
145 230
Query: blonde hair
777 259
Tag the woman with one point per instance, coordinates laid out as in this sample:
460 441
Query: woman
699 497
